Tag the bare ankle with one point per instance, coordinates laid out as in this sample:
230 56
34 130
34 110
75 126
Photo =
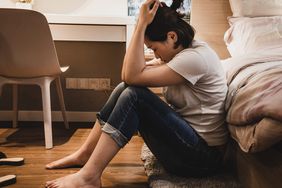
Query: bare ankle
83 155
94 179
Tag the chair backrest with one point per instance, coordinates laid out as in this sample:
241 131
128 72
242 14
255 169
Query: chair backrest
26 45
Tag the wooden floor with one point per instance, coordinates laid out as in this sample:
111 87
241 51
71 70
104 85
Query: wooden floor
125 170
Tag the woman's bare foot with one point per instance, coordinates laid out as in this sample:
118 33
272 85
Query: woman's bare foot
76 180
77 159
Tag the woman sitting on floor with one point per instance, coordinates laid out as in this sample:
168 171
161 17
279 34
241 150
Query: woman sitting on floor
186 133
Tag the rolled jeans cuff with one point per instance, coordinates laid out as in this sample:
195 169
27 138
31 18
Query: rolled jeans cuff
115 134
101 122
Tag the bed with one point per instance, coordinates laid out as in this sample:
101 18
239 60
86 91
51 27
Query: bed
254 99
254 73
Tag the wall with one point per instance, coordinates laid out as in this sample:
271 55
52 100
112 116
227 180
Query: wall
209 18
85 7
7 3
86 60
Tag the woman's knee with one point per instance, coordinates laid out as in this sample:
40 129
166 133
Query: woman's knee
134 92
120 87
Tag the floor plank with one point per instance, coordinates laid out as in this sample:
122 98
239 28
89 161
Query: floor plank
125 170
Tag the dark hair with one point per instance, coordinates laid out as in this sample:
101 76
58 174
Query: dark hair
168 19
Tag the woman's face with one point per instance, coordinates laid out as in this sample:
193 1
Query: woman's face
164 50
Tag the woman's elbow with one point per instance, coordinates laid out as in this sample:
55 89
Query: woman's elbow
122 77
129 80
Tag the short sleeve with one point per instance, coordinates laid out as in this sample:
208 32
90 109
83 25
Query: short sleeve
189 64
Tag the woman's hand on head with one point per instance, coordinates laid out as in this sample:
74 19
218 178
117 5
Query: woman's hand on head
146 14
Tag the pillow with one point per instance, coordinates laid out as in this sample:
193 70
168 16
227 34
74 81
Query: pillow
254 8
247 35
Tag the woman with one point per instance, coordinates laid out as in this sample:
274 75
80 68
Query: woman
187 132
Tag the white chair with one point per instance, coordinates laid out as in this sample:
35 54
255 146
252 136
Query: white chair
28 56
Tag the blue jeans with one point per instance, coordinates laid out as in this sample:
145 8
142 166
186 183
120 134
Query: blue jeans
175 144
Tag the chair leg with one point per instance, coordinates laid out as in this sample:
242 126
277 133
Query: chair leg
46 101
1 85
62 102
15 106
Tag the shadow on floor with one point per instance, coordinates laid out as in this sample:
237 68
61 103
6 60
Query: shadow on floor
32 133
129 185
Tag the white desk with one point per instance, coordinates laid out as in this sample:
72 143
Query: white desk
66 27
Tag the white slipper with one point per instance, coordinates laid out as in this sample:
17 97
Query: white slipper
17 161
7 180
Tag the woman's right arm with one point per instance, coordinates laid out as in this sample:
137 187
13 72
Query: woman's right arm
134 70
134 60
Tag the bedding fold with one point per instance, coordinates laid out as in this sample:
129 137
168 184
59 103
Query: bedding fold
254 99
259 96
257 137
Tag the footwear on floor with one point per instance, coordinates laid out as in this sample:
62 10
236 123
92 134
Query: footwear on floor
16 161
7 180
2 155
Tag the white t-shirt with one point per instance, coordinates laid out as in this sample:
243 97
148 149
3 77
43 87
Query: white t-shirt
200 100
